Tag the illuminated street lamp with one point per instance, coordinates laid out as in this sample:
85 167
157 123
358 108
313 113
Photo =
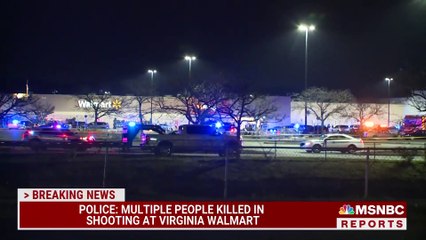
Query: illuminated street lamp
189 59
388 80
152 72
306 28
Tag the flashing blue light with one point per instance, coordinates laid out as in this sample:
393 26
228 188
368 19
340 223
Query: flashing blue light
58 126
132 124
15 122
296 126
218 125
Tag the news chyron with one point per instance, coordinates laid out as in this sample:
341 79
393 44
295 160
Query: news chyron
107 209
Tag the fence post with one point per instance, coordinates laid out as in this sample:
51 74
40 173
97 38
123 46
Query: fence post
424 152
275 144
366 173
374 151
325 150
225 177
105 165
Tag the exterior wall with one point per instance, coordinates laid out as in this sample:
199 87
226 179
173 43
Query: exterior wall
288 111
68 107
282 116
397 112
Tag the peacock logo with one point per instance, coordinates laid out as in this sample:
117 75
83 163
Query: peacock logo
346 209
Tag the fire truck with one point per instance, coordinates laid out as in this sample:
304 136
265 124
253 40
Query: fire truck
414 125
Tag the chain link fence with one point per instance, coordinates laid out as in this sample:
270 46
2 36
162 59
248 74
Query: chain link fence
267 169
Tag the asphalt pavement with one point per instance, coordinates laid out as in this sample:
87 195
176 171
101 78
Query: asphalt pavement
260 147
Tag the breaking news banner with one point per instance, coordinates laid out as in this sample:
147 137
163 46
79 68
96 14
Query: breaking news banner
106 209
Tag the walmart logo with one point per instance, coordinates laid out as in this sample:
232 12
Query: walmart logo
346 209
116 104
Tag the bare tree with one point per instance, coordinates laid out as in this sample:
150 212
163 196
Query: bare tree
196 102
7 103
140 101
101 104
242 106
362 112
325 103
418 100
142 94
13 104
38 111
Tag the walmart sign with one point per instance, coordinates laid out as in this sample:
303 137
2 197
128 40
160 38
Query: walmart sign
116 103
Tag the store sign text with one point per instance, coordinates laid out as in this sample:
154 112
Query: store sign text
86 104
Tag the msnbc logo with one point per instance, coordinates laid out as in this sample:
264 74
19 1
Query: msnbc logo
346 209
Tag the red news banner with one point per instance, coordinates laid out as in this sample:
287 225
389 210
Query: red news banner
106 209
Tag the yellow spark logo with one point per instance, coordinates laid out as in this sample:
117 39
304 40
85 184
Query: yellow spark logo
116 104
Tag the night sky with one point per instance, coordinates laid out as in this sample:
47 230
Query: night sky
77 47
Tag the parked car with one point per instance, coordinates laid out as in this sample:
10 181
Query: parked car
26 124
320 130
289 129
78 124
98 125
228 128
354 128
336 142
55 125
13 125
152 129
308 129
275 130
167 128
41 138
382 132
222 127
340 129
393 131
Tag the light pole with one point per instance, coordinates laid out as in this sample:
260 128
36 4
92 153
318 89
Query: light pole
306 28
189 59
152 72
388 80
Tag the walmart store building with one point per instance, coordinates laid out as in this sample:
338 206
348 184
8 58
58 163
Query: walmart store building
73 107
288 111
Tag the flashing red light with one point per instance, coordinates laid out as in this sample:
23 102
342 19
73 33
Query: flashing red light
144 139
25 135
89 138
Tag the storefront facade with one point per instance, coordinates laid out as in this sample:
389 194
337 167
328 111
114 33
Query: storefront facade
76 108
399 108
69 107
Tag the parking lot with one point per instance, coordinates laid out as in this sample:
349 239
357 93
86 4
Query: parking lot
269 169
282 147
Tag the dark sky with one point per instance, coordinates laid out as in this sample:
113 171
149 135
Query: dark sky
76 47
